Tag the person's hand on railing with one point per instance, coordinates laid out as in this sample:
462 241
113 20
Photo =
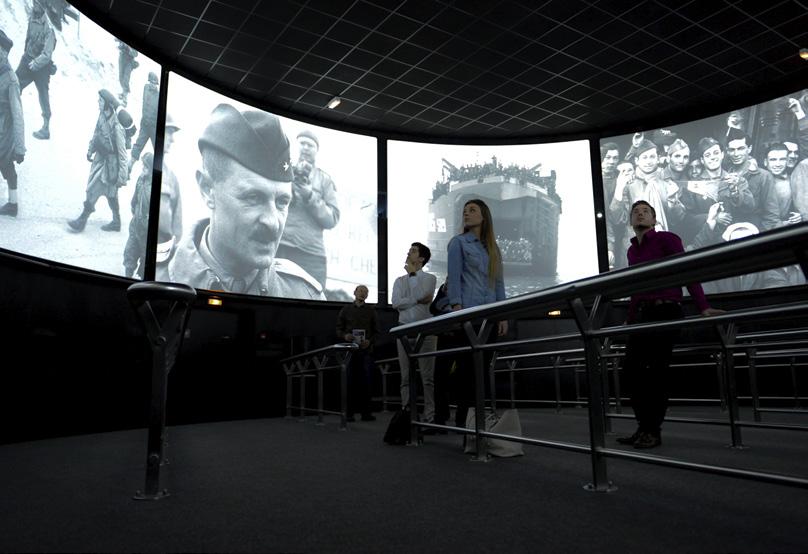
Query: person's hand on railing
456 307
712 311
502 329
349 337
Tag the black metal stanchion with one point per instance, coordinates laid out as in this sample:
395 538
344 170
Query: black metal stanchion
165 339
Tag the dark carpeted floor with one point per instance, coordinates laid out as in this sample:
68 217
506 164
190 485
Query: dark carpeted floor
288 486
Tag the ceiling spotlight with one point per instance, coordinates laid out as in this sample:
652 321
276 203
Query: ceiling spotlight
804 53
334 102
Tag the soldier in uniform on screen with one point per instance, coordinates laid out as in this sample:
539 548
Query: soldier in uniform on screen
169 230
109 169
246 182
36 65
148 117
126 64
313 209
12 130
135 250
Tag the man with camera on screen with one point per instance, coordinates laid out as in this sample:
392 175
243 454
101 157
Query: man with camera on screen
246 182
313 210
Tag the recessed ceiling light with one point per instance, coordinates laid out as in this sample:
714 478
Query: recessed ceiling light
334 102
804 53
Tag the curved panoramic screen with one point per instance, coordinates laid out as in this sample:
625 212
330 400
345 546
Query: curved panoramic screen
714 180
74 103
259 204
540 197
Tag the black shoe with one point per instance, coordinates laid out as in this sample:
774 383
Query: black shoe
630 439
368 417
350 419
648 440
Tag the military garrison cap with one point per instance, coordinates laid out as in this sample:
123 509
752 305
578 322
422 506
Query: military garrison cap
252 138
5 42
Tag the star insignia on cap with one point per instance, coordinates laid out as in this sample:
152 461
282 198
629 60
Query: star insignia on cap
285 166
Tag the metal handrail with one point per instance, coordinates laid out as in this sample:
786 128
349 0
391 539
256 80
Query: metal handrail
300 365
777 248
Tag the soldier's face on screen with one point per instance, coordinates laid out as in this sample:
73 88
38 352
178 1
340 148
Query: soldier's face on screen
712 157
793 155
680 159
609 162
308 149
776 161
248 215
738 151
168 139
647 161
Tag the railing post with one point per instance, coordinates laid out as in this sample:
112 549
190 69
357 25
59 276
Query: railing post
792 360
512 381
344 360
597 431
753 385
384 369
557 382
618 402
288 373
728 339
319 364
165 340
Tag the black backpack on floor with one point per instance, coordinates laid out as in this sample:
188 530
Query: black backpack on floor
398 430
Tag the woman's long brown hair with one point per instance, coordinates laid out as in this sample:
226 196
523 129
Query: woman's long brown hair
489 240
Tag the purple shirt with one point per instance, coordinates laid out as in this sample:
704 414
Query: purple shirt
656 245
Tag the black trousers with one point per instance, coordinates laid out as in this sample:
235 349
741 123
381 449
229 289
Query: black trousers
360 380
40 78
647 366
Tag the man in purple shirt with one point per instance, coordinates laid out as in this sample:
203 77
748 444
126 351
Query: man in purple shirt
648 354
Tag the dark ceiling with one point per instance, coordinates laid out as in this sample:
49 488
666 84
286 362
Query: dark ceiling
472 69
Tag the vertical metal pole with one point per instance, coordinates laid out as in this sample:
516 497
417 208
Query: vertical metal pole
794 382
301 415
157 422
604 376
597 430
320 392
288 372
753 385
384 368
618 402
727 339
512 382
722 386
343 387
557 381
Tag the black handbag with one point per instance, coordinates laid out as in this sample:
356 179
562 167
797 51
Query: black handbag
440 305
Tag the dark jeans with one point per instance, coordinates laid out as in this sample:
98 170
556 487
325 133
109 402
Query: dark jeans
443 365
647 363
463 379
40 78
360 373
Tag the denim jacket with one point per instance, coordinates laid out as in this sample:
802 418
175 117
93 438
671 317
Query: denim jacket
468 273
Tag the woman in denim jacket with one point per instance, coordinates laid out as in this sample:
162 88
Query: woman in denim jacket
475 278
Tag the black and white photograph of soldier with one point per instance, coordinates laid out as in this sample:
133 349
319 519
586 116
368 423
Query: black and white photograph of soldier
713 180
540 195
247 237
67 61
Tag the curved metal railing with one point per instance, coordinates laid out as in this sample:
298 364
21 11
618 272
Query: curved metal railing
778 248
